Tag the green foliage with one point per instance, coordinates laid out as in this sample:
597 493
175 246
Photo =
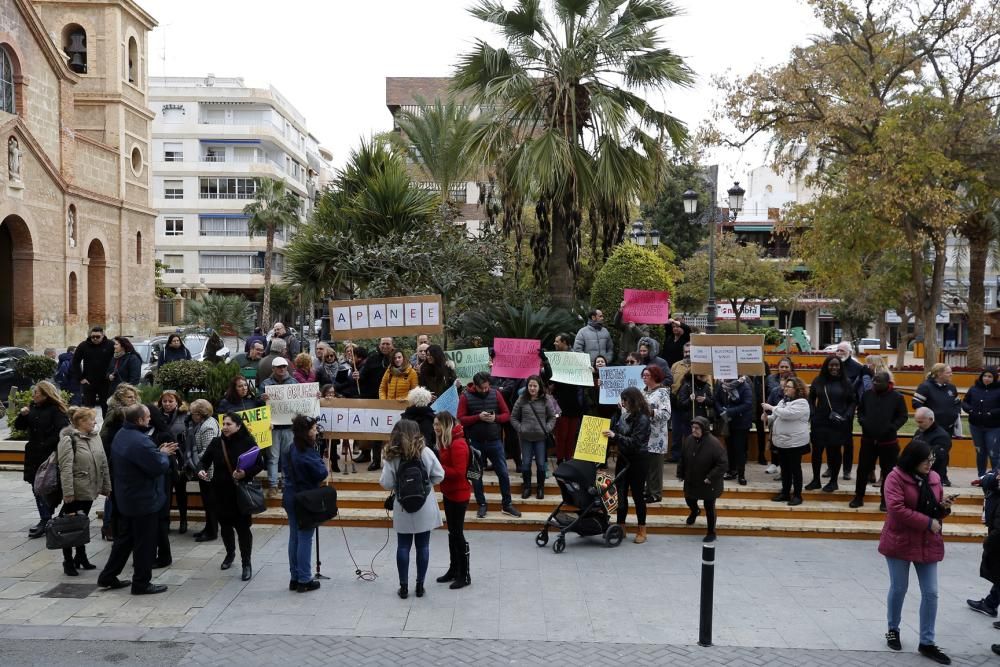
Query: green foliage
162 292
273 206
630 266
229 314
149 393
22 399
183 376
36 367
218 378
680 232
771 335
507 321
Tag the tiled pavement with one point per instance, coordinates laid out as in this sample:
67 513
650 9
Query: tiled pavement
778 601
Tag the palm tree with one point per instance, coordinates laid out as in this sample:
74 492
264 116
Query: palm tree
585 141
229 314
273 206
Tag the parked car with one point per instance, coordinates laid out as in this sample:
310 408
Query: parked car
9 377
149 351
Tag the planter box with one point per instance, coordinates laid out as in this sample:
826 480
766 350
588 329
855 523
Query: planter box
12 452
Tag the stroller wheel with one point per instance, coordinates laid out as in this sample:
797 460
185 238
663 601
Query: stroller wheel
542 538
614 535
559 545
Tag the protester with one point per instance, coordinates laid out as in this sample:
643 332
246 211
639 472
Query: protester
982 404
138 470
695 398
930 432
631 332
167 417
759 389
65 379
281 434
435 374
941 396
680 422
571 407
223 456
881 413
456 490
658 398
420 351
174 350
733 407
304 471
368 375
398 380
789 423
481 411
776 392
593 338
533 420
200 429
83 475
277 349
989 567
249 362
630 434
648 350
90 368
279 332
678 335
303 371
42 420
124 397
831 398
328 368
702 465
125 365
256 337
406 447
239 397
912 535
860 383
418 409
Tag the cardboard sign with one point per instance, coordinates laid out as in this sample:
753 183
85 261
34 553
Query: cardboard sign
517 357
646 306
258 422
616 379
447 402
727 356
469 362
288 400
571 368
395 316
592 444
365 419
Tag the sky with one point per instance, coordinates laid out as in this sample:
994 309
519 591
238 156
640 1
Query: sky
330 58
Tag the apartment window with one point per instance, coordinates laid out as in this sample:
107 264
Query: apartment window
228 188
173 152
210 226
173 189
173 263
230 262
173 227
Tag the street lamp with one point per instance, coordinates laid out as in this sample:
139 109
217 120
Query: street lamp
641 237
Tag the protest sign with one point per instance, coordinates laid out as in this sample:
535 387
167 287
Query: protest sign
359 419
288 400
447 402
469 362
258 422
592 444
394 316
727 356
571 368
516 357
724 364
646 306
616 379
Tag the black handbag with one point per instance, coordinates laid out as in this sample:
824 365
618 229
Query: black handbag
249 495
312 507
67 531
835 416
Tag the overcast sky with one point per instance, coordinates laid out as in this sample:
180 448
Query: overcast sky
330 59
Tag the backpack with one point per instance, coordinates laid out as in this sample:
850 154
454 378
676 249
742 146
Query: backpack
412 484
474 468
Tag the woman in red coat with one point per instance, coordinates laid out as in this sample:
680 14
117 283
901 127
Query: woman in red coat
912 534
454 454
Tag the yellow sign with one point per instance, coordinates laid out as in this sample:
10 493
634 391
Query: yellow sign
258 422
592 444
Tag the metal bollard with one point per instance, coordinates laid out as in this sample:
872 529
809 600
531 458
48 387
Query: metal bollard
707 593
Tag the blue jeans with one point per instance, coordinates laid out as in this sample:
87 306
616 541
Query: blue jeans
987 442
493 451
44 511
899 579
281 440
403 543
533 449
299 545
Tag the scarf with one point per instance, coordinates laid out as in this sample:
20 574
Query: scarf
398 372
119 354
927 504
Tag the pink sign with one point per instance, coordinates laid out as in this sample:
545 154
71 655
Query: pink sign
516 357
646 306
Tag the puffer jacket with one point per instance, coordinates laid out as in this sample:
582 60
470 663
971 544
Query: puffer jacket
789 423
83 467
532 420
906 533
397 383
943 399
982 404
455 461
594 339
655 360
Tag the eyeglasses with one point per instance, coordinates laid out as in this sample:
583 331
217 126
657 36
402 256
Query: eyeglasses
631 362
932 459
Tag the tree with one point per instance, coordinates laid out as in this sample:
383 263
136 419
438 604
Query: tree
629 267
273 206
682 233
743 276
572 134
229 314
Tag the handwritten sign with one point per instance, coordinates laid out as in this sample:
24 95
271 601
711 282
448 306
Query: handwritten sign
724 365
727 356
258 422
616 379
571 368
646 306
749 355
469 362
516 357
288 400
358 419
395 316
592 444
701 354
447 402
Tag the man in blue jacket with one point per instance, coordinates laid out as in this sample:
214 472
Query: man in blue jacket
140 493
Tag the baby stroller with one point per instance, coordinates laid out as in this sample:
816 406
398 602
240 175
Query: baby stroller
594 495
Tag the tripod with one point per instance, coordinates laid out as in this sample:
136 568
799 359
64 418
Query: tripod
319 563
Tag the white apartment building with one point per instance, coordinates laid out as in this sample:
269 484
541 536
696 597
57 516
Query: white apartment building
213 137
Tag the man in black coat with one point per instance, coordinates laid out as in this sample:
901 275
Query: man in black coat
881 412
90 368
935 437
369 378
989 567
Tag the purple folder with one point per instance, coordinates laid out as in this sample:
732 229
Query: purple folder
248 458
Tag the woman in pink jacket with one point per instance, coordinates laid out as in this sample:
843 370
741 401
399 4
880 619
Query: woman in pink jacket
912 534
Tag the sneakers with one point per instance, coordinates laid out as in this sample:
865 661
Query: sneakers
856 502
771 469
934 653
892 640
481 512
982 608
813 485
510 510
830 487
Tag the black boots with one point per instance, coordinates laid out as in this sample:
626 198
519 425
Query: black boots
540 485
73 563
526 486
81 559
462 576
458 571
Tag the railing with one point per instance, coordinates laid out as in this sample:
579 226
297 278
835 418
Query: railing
213 158
960 357
166 312
237 270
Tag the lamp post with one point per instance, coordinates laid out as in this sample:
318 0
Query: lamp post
640 236
690 198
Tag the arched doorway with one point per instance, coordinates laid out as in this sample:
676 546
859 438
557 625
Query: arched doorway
97 269
17 313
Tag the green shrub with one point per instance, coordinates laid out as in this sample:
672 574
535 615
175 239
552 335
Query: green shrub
771 335
182 376
218 378
21 399
36 367
149 393
507 321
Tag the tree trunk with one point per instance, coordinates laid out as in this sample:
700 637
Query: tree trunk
265 308
561 288
929 297
978 253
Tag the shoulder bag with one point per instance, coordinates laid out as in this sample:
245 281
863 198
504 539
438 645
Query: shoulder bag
835 417
550 441
249 496
314 506
67 530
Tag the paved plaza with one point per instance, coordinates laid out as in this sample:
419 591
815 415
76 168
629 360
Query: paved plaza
778 601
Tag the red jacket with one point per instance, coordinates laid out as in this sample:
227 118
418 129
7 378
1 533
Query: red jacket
906 534
455 461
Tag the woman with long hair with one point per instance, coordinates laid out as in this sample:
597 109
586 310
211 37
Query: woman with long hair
83 474
630 433
223 455
456 490
304 471
702 465
125 365
435 374
832 400
174 350
167 417
982 404
789 423
43 420
534 421
239 396
406 446
658 398
200 429
399 379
